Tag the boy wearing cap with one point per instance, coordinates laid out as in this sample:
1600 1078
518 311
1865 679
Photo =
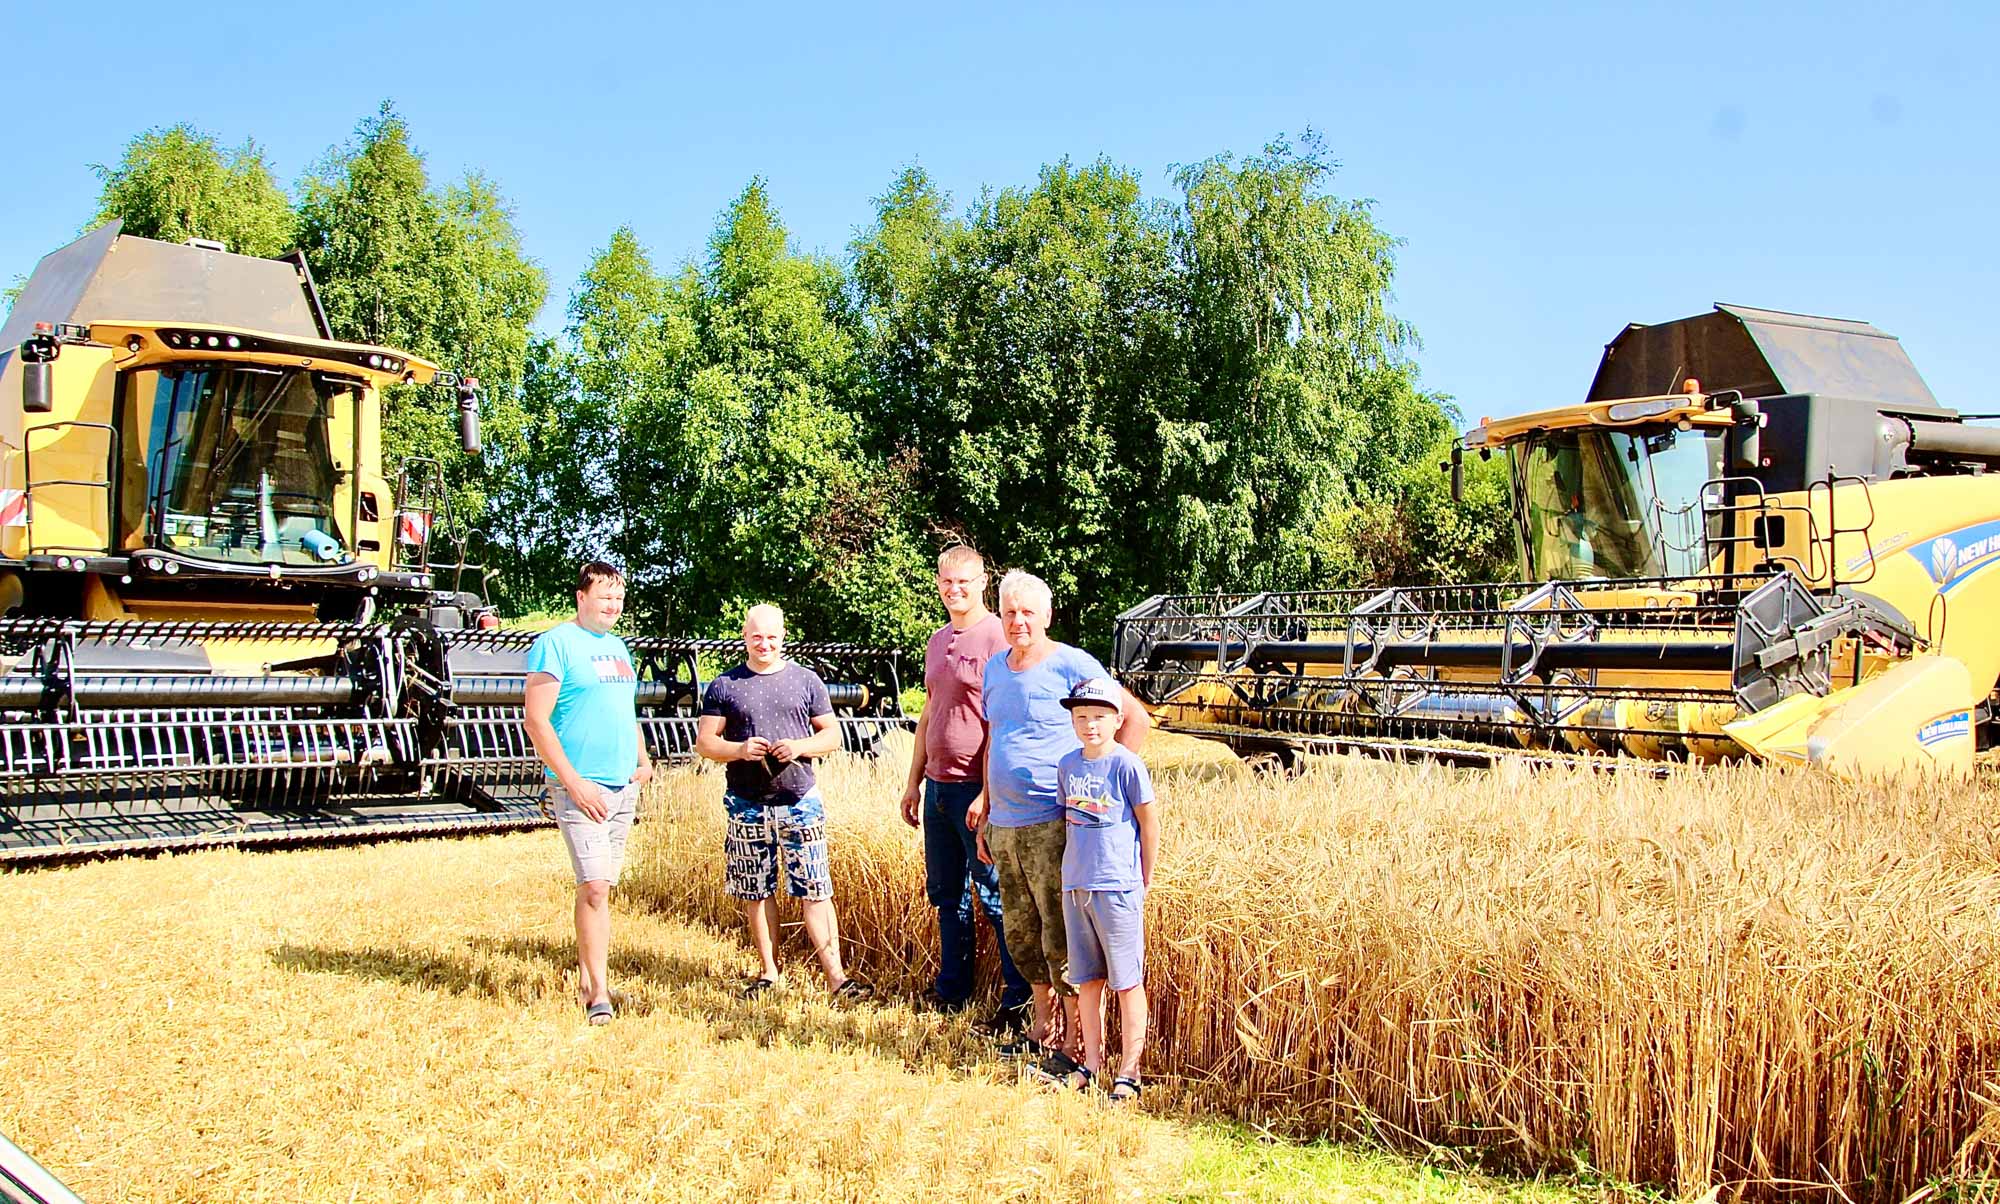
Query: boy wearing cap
1114 838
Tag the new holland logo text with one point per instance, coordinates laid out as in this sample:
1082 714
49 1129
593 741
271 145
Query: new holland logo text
1954 726
1956 555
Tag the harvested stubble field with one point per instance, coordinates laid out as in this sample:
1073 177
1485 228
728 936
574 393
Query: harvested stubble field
1761 982
399 1022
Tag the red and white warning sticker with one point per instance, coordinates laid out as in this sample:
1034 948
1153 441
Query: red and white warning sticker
13 508
413 527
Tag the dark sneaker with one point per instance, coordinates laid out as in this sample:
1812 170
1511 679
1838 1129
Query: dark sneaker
1003 1021
934 1002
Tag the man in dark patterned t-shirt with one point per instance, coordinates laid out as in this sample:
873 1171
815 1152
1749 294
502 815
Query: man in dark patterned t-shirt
765 720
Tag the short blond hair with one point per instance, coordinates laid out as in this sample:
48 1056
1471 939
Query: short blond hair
961 555
764 610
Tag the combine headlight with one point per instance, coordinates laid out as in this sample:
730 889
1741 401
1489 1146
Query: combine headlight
152 564
233 342
1630 411
172 568
214 342
62 562
374 361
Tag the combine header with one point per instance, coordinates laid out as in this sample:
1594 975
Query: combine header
1759 536
222 625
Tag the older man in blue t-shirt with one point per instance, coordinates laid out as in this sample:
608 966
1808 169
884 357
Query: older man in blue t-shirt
1028 733
583 722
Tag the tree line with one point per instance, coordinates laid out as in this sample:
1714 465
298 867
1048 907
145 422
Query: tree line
1127 394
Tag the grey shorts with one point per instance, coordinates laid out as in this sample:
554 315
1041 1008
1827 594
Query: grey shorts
1107 937
596 850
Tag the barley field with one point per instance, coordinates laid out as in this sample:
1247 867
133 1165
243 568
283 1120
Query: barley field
1750 982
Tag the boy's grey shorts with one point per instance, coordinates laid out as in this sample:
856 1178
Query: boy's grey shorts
1107 937
596 850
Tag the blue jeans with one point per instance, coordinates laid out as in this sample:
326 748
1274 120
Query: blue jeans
952 872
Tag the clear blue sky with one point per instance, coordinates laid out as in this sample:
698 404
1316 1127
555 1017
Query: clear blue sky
1556 171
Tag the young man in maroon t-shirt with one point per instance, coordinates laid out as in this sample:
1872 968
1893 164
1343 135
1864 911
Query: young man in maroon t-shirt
946 789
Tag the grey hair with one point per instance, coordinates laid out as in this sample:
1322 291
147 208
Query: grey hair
1020 582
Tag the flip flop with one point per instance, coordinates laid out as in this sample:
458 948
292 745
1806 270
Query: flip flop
1124 1088
756 987
599 1013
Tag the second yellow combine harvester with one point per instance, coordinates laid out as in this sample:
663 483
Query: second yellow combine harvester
1759 536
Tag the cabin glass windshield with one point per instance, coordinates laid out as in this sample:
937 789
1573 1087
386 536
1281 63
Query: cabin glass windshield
1596 502
239 465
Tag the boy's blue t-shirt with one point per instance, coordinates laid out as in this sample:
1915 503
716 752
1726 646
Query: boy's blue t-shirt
595 718
1028 731
1102 852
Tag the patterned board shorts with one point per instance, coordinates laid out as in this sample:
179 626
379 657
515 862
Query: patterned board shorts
761 838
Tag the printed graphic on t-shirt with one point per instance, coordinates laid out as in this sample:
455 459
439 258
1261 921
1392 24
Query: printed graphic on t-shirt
1089 801
612 667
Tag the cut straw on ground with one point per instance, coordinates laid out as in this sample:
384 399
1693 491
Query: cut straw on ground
399 1022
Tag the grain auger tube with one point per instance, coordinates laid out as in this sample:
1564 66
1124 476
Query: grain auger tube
1759 536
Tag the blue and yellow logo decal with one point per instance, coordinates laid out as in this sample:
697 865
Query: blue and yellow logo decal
1955 726
1953 557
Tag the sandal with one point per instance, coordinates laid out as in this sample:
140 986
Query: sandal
599 1013
1053 1073
1124 1088
756 987
853 990
1022 1046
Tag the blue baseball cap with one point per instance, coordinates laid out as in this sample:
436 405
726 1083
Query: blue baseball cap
1094 692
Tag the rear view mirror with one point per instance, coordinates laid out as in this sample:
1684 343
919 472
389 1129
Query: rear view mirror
38 356
1457 473
1746 443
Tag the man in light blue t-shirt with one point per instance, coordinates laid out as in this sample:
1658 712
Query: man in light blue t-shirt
1028 732
583 722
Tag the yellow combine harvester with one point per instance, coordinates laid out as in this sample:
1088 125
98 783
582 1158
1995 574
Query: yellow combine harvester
223 622
1759 536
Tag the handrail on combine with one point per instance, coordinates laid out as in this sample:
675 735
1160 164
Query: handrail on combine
30 484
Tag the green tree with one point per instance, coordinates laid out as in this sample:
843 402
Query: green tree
1130 397
699 427
795 506
1301 406
1018 352
177 183
440 273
